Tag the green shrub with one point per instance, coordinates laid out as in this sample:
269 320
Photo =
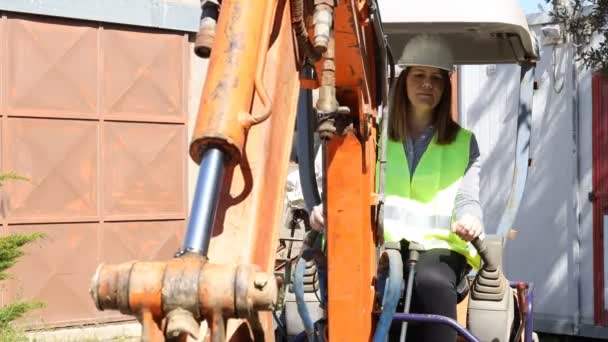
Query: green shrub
10 251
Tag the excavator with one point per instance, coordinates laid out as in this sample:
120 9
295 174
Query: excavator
268 59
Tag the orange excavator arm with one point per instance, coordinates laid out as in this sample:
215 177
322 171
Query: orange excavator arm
242 140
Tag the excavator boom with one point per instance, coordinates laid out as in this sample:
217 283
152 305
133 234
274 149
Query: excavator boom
242 141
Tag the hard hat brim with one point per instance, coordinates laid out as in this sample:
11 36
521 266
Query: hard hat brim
442 67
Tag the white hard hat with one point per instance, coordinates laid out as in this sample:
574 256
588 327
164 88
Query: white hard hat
427 50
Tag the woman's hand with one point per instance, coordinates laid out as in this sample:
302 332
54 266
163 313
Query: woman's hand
317 221
468 227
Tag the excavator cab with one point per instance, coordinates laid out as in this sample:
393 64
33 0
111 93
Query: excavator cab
491 308
266 57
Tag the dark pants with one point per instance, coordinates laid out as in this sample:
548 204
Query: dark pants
434 292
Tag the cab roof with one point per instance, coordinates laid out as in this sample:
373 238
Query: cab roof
479 31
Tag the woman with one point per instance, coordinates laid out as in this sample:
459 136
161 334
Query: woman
432 183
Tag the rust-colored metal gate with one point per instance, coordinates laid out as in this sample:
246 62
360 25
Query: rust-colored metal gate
95 116
599 196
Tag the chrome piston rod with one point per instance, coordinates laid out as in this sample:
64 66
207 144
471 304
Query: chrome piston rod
204 206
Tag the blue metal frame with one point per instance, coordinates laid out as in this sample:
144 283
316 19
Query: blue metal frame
424 318
529 333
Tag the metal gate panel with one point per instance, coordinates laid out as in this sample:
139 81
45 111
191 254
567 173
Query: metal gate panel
143 76
95 116
143 166
56 271
51 68
124 241
59 157
153 240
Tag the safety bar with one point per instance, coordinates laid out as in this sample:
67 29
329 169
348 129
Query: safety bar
426 318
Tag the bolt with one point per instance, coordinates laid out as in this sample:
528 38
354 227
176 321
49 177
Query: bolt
260 281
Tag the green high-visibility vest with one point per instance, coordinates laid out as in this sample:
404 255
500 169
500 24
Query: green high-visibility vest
420 208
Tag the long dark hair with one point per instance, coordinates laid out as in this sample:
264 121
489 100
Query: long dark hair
446 127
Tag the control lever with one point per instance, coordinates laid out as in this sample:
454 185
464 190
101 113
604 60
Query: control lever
489 263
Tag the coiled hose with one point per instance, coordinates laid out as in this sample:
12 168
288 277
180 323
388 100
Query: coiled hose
390 290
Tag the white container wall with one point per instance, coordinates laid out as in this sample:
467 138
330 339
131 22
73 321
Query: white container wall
554 245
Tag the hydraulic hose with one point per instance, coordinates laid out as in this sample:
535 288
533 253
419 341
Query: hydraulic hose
298 286
305 122
311 250
392 291
383 144
306 126
301 33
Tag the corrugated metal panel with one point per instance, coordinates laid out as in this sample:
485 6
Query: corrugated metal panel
95 116
181 15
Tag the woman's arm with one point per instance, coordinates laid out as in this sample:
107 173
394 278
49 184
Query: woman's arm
468 215
467 197
317 221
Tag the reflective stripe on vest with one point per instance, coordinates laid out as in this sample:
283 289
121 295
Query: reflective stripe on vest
421 209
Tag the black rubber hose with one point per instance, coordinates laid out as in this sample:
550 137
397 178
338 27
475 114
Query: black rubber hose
306 124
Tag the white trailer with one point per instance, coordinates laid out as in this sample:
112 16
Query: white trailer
557 246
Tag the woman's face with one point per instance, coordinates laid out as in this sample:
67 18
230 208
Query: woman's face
424 88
